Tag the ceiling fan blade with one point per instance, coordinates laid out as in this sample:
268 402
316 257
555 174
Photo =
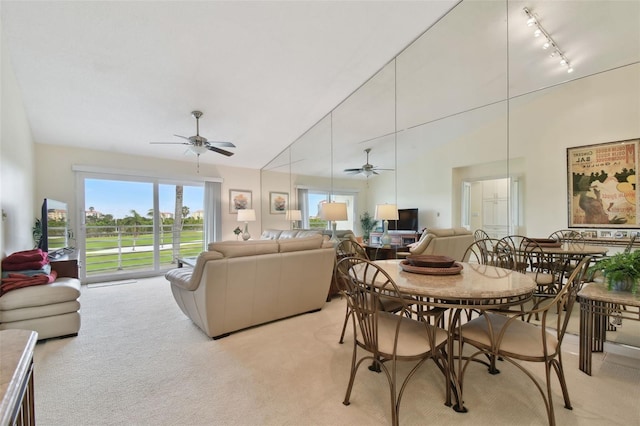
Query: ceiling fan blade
374 172
353 170
183 137
220 151
390 170
221 143
171 143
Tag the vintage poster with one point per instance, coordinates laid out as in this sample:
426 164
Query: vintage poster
602 185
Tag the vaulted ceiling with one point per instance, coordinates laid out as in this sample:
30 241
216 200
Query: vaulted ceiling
115 76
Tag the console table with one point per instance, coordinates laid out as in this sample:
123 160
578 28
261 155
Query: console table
16 377
66 265
380 252
398 238
597 306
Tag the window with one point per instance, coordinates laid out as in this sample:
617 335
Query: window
133 227
315 198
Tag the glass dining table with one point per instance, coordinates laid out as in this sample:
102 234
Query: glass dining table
475 287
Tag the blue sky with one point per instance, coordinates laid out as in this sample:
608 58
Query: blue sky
118 198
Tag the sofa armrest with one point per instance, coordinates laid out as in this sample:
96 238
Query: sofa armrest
422 244
189 278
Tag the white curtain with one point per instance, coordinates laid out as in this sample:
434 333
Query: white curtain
303 205
212 212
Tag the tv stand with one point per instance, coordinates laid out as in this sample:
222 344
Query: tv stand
398 238
65 264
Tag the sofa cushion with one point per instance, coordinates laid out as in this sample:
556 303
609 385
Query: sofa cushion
244 248
33 312
297 244
308 233
61 290
445 232
270 234
287 234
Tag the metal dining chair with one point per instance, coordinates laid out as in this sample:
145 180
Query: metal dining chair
480 234
485 251
496 335
569 238
388 338
349 248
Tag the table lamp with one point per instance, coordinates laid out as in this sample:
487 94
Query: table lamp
246 216
293 216
386 212
333 212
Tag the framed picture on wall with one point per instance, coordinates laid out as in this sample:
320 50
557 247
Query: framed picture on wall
602 185
278 202
239 199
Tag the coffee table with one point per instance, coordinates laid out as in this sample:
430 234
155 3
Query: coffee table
187 261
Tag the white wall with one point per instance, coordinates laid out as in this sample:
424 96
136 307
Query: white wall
55 178
597 109
16 163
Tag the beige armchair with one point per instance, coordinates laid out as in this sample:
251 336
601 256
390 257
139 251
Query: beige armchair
451 242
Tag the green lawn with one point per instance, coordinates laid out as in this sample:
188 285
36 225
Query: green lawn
102 252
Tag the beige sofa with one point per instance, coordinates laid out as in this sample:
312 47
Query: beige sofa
276 234
239 284
52 310
451 242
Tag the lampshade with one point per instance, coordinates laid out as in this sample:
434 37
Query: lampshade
333 211
386 212
246 215
293 215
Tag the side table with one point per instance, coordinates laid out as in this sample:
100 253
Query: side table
597 306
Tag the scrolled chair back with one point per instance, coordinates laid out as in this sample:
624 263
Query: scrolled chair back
350 247
485 252
569 237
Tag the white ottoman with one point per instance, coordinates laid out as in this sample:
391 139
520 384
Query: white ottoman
50 309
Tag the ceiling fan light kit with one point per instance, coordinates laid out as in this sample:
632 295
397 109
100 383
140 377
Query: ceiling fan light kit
367 169
199 144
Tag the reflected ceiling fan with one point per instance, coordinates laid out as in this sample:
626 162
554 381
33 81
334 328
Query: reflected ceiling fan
199 144
367 169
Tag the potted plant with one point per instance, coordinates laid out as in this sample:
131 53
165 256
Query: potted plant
367 223
36 231
237 231
621 271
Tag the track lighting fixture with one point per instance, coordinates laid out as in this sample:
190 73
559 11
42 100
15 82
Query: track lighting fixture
549 42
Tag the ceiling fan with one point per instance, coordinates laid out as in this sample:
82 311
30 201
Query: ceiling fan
367 169
199 144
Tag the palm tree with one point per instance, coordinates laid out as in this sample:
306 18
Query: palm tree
177 222
137 220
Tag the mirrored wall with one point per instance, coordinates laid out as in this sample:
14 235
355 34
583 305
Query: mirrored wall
471 122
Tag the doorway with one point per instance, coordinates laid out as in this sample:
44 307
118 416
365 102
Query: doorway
491 205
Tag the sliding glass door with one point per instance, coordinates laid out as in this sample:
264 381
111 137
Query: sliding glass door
134 227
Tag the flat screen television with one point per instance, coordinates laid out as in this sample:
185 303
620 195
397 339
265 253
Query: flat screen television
407 221
55 227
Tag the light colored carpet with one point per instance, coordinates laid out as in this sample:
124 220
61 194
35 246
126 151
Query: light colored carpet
139 361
